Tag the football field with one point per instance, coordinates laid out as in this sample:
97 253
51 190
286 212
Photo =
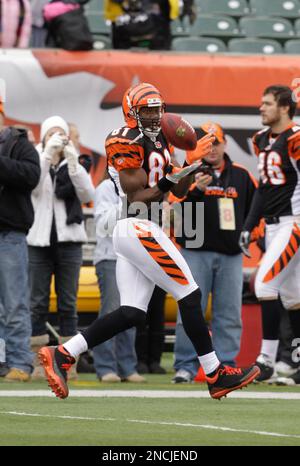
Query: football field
155 413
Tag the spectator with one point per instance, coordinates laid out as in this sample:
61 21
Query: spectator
150 336
56 237
74 136
142 23
67 25
226 191
3 366
16 21
19 175
29 132
115 359
39 31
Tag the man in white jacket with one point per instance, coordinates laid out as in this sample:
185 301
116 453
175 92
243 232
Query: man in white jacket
56 236
115 359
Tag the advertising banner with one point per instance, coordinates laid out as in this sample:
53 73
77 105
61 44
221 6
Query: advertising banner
86 88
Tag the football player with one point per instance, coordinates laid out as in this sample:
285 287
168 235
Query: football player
278 201
139 164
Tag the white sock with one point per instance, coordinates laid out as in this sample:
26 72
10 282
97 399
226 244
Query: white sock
209 362
269 348
76 345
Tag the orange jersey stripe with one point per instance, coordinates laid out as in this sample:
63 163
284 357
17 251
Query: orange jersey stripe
117 139
122 156
162 258
294 146
286 255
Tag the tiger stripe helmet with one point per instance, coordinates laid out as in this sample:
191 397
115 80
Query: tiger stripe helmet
140 95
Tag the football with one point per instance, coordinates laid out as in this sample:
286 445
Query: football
178 131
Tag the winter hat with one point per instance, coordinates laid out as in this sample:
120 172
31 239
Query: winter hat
52 122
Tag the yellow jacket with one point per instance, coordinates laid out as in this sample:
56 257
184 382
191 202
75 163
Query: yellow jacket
112 9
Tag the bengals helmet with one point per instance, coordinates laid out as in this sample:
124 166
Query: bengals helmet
137 97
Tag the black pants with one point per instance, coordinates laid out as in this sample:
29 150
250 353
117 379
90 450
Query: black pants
161 40
63 260
286 337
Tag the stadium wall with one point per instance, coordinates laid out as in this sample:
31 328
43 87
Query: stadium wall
86 88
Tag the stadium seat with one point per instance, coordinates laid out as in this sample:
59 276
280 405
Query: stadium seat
297 28
97 23
198 44
266 27
214 25
292 46
283 8
265 46
180 28
101 42
223 7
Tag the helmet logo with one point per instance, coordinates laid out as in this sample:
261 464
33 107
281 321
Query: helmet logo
154 102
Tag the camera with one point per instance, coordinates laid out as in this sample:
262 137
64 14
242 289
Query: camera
205 168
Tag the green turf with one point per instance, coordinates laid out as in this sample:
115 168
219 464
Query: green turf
153 382
260 415
112 423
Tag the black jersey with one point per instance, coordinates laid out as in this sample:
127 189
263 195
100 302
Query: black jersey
279 177
130 148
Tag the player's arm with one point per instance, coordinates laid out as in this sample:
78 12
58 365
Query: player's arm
256 211
294 148
133 182
256 208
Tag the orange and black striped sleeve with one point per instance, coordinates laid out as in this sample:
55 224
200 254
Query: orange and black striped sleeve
255 146
123 153
294 146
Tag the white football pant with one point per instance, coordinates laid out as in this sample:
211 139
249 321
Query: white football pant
147 257
279 272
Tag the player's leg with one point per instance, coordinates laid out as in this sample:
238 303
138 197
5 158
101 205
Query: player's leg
276 269
290 296
135 293
152 252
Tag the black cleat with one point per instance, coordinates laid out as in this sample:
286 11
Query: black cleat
227 379
267 371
